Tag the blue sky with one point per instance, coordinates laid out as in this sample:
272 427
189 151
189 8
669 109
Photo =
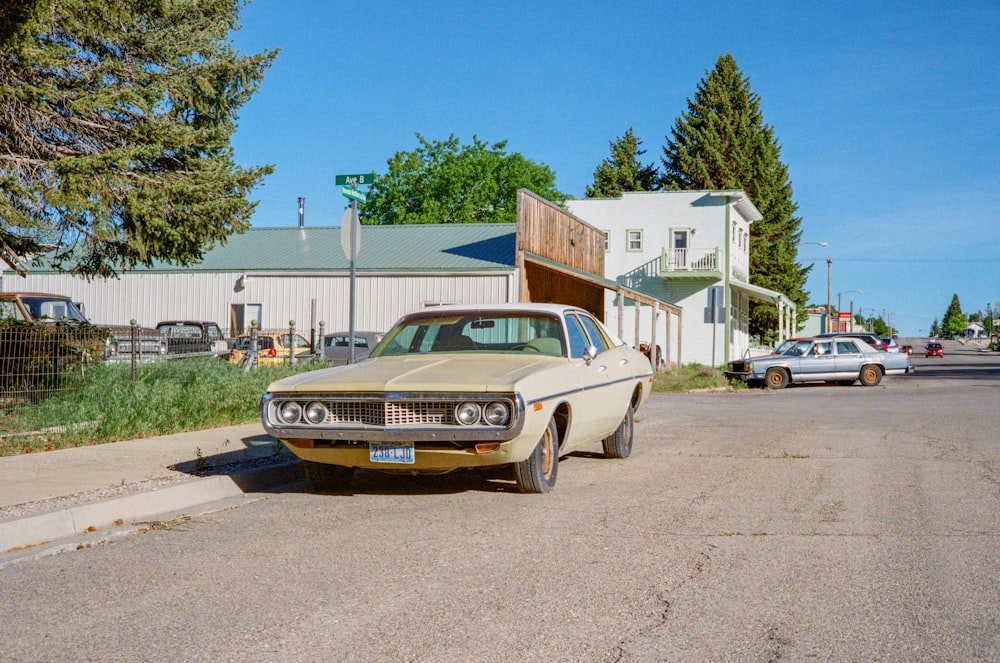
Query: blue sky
888 114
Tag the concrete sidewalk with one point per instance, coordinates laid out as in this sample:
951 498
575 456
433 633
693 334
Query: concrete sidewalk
35 478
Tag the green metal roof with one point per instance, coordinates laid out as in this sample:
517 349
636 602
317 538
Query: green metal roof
416 247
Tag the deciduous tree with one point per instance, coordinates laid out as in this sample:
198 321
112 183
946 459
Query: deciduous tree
446 182
115 119
722 143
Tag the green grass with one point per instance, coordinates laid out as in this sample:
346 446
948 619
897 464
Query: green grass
691 377
168 397
192 394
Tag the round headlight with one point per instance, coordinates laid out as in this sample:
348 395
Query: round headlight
289 412
496 414
467 413
315 412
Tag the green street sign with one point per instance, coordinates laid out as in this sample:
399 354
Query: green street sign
353 194
354 180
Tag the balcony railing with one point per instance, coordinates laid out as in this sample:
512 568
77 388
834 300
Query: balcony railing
691 260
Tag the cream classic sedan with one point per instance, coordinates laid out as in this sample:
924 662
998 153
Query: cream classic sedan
466 386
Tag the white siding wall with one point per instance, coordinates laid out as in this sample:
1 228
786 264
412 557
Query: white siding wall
380 299
657 214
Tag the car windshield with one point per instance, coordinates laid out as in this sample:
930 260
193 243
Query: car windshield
797 348
784 347
344 341
53 308
519 332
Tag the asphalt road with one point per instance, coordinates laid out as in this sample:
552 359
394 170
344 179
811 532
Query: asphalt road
815 523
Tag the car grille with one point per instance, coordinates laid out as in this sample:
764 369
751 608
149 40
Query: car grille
738 365
389 413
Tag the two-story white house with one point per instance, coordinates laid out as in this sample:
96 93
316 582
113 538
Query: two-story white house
690 248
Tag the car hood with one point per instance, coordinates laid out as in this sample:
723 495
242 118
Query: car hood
434 372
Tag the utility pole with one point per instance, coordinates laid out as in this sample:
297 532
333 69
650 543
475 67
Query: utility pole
828 264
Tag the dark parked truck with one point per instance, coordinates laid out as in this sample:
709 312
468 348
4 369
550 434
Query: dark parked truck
193 337
113 343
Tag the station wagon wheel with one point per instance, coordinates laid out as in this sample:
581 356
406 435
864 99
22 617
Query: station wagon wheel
537 473
326 478
619 443
776 378
870 375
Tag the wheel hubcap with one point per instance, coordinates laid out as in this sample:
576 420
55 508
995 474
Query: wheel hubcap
548 454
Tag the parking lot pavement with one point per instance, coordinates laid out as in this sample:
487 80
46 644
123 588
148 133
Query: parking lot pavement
57 494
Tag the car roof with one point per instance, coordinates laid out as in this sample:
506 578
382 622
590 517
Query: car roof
357 333
34 294
557 309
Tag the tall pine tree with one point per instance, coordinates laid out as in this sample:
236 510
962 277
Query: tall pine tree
722 142
115 126
954 321
623 171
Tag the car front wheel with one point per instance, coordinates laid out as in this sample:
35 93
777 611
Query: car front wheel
870 376
537 473
619 443
776 378
326 478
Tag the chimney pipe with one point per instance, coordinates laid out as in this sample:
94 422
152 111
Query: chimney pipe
302 212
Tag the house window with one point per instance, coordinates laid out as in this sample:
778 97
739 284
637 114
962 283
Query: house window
633 240
607 240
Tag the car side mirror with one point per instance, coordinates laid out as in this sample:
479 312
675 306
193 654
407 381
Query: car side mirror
589 353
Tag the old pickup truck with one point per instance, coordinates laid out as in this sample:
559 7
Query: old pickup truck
193 337
45 308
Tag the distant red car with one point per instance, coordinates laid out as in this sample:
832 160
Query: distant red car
934 350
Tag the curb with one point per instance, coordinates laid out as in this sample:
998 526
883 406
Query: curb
47 527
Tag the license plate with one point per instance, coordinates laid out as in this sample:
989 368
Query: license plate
391 453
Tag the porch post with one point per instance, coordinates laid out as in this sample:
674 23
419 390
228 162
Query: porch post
781 320
637 306
652 337
621 313
666 341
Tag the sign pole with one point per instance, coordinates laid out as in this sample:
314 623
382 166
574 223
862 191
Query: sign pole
354 274
350 231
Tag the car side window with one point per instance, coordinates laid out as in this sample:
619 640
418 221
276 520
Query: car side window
577 338
10 310
846 348
822 348
597 339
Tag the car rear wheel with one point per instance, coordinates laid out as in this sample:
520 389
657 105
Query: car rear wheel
619 443
325 478
870 375
776 378
537 473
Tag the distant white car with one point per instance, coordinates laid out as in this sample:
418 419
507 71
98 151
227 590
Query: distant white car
837 360
337 346
890 345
